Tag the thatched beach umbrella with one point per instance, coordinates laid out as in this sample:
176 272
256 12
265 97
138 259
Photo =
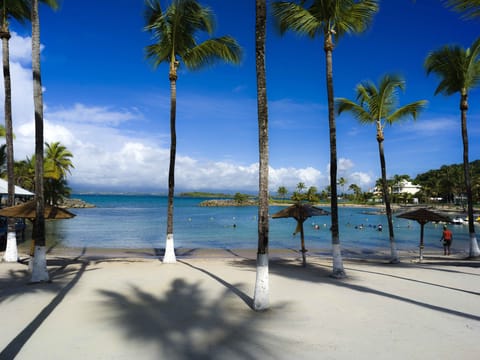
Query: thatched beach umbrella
27 210
423 216
300 212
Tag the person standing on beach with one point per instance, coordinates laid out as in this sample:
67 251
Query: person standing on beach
447 238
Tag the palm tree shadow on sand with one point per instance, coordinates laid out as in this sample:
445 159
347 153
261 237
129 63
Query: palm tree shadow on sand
321 273
185 324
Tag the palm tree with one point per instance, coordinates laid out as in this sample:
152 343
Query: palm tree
56 166
459 72
301 187
58 160
282 192
24 172
332 19
175 31
312 194
261 294
357 191
379 106
19 10
342 182
39 261
470 8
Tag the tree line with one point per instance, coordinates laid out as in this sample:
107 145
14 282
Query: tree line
57 165
445 185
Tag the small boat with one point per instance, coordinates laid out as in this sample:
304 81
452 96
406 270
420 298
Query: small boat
458 221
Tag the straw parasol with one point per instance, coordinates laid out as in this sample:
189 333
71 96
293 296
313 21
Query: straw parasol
423 216
300 212
27 210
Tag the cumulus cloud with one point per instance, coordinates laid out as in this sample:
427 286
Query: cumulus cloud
109 155
21 48
432 127
81 113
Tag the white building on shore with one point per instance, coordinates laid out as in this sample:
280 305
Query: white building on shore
405 187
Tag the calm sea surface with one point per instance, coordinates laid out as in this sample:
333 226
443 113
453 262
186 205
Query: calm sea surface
123 221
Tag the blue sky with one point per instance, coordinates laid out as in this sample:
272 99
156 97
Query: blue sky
108 105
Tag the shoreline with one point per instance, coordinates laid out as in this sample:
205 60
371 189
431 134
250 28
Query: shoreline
275 254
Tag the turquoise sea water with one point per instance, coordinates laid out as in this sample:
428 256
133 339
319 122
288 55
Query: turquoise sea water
135 221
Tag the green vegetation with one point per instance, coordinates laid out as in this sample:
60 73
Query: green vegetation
56 167
448 184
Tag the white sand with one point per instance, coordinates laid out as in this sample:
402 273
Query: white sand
200 309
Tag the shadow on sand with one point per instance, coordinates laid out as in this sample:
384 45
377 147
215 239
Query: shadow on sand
185 323
17 285
319 273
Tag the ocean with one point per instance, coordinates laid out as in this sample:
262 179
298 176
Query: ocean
139 221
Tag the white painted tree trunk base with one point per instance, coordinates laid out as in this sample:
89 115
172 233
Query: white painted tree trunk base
394 259
11 252
474 250
338 270
261 295
39 265
169 257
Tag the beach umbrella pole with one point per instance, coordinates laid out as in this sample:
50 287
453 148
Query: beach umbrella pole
421 241
302 237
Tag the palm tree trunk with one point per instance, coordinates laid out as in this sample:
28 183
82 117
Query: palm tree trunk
11 251
338 270
386 199
474 250
39 266
169 256
261 293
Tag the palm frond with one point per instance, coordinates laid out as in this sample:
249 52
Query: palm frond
211 51
354 16
357 110
53 4
412 109
469 8
153 15
16 9
291 16
472 67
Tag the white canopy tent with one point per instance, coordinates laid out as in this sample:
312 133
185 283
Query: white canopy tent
18 190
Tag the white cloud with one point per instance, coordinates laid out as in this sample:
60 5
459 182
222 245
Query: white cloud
344 165
20 48
110 155
430 127
361 179
81 113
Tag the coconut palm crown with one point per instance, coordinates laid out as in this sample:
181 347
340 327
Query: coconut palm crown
175 31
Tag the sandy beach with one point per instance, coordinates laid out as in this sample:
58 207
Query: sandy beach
134 307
